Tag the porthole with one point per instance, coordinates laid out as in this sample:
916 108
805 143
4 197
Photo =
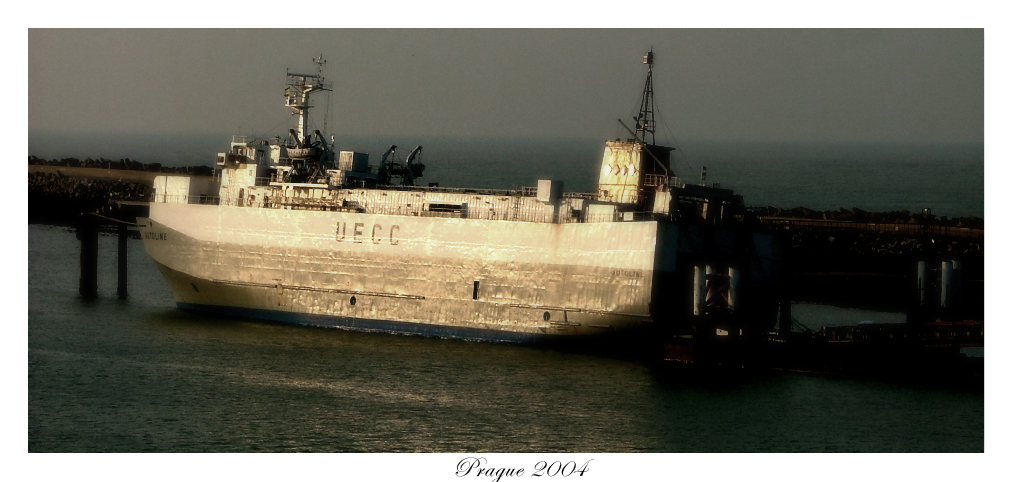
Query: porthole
351 301
546 316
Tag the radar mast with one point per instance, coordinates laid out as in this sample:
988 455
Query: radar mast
297 94
645 120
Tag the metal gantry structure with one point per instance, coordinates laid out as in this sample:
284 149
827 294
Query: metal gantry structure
645 119
300 86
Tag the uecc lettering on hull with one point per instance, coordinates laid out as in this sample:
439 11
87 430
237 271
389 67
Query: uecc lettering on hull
292 230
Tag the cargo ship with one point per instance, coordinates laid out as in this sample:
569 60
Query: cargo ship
293 230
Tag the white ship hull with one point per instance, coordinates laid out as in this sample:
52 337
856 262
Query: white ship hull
465 278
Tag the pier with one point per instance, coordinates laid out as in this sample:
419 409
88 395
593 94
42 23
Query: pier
95 196
930 269
118 219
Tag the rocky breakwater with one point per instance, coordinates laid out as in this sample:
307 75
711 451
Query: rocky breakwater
60 190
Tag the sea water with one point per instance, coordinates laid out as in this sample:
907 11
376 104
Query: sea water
141 375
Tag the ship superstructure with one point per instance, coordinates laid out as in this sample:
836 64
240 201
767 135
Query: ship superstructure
293 230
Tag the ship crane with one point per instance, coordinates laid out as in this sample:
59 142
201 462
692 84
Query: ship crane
413 170
387 165
391 150
391 167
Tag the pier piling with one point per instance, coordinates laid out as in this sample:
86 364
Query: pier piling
121 279
87 233
699 291
921 285
945 279
956 285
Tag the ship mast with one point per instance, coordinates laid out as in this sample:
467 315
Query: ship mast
645 120
297 94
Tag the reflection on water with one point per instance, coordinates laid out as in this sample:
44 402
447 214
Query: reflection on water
140 375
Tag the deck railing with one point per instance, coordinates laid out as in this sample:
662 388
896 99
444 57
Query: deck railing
181 199
508 207
655 180
505 211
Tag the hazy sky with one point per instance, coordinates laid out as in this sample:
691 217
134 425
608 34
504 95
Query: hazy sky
833 85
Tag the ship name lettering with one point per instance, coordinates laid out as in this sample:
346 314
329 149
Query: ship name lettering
628 273
376 233
155 236
356 232
474 465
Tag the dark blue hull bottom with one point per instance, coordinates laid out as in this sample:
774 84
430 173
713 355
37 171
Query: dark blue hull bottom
379 326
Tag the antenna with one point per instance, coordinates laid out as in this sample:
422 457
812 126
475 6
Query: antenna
320 65
300 86
645 119
320 73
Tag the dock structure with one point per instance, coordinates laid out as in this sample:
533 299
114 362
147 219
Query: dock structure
931 268
932 349
939 334
932 272
117 219
900 229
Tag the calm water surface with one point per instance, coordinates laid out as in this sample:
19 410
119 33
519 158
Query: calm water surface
140 375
